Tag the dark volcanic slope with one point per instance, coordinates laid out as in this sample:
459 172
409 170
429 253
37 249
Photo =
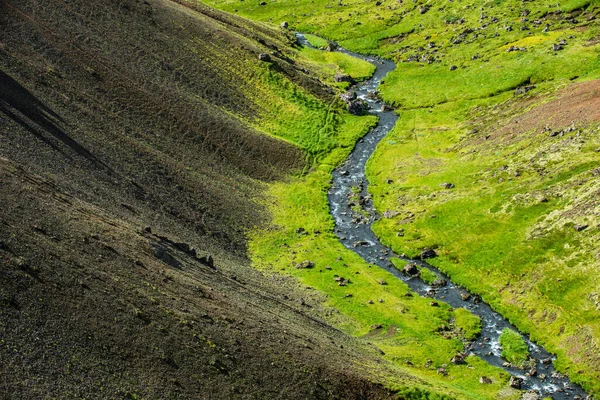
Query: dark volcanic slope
114 116
129 102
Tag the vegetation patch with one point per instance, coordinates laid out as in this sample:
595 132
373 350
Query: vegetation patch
514 347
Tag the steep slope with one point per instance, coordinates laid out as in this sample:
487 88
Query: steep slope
132 164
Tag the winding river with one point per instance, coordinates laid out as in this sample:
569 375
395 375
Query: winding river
354 228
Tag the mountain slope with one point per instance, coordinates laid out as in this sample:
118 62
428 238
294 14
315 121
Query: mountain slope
132 164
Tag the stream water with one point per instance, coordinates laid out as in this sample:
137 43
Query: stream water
354 232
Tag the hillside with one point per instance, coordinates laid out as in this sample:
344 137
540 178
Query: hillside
133 161
165 167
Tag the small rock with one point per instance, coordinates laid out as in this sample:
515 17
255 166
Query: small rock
284 25
376 326
381 282
434 304
428 253
580 228
370 302
328 267
410 269
343 78
476 299
557 47
515 382
381 301
439 283
348 96
264 57
523 89
458 359
453 68
447 185
532 372
465 296
357 107
305 264
348 295
360 243
208 261
484 380
442 371
386 108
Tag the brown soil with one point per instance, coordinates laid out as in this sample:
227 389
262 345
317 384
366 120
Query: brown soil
579 103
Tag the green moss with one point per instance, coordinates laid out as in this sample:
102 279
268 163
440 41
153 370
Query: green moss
514 348
467 323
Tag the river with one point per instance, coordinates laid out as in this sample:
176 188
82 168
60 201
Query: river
354 228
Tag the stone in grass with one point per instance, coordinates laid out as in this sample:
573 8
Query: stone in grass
580 228
447 185
305 264
484 380
428 253
343 78
348 96
381 282
442 371
284 25
264 57
458 359
434 304
523 89
453 68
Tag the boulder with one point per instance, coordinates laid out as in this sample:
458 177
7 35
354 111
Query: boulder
357 107
305 264
343 78
332 46
523 89
458 359
348 96
515 382
439 282
410 269
428 253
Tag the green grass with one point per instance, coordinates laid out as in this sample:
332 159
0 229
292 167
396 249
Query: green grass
469 324
539 270
514 348
316 41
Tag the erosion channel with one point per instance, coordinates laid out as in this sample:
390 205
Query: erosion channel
353 229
